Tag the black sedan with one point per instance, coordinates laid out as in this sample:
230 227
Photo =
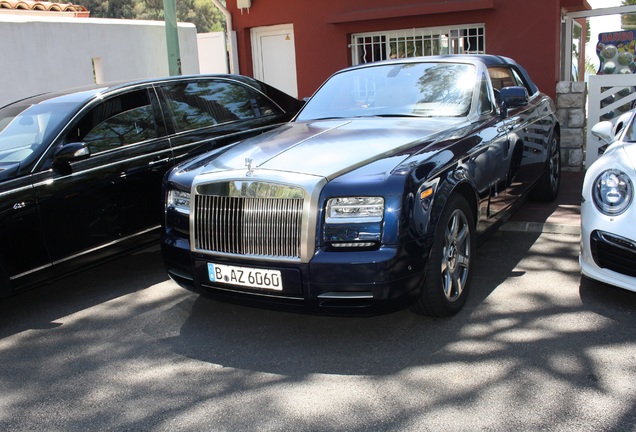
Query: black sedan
374 197
81 170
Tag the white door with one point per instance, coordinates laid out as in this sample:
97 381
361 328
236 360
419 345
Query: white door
274 57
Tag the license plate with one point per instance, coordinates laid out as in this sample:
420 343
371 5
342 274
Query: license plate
245 276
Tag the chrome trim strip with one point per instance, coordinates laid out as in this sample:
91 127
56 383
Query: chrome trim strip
97 168
35 270
12 191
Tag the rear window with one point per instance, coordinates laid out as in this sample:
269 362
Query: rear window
200 104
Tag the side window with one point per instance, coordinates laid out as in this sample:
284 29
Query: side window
116 122
506 77
201 103
521 81
485 105
502 77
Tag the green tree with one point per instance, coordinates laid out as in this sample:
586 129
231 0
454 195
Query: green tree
202 13
628 21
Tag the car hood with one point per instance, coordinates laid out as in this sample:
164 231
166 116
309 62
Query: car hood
328 148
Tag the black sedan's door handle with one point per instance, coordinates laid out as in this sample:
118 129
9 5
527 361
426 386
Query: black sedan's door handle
158 163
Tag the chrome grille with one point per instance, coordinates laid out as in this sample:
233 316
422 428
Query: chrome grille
252 226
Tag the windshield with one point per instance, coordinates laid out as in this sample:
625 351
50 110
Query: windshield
25 128
409 89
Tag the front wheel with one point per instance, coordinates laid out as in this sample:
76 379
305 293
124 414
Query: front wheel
448 270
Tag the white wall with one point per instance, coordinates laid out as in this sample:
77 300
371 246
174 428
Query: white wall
42 53
212 53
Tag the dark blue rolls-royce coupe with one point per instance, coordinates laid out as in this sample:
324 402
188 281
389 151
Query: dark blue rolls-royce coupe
374 197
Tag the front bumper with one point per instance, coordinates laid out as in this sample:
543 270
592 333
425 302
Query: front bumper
365 282
608 248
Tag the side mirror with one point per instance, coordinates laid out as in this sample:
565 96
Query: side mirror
604 131
72 152
513 97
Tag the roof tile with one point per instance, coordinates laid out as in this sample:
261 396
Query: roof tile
43 6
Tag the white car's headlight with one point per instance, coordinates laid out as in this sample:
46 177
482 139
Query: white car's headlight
179 201
355 209
612 192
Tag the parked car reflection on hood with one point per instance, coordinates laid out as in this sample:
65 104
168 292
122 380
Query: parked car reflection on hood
374 197
81 170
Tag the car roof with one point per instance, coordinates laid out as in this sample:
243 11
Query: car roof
84 93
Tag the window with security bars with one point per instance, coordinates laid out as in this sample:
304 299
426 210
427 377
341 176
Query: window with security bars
371 47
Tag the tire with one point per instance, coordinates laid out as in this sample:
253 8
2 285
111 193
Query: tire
547 189
448 270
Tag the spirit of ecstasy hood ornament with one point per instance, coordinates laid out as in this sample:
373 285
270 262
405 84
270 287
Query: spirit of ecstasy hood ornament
248 164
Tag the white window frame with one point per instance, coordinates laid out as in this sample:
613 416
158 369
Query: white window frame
376 46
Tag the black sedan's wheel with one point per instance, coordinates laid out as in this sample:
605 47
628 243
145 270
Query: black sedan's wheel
448 270
548 187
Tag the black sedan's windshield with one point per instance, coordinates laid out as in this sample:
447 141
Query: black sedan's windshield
26 128
409 89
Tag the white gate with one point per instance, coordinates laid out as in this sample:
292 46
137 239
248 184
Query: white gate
609 96
274 57
212 53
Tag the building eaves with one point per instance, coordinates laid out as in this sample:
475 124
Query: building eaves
43 8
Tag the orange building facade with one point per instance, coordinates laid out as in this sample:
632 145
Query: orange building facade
332 34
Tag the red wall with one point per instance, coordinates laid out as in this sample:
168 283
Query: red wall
527 31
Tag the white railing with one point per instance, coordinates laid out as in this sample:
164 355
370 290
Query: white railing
609 96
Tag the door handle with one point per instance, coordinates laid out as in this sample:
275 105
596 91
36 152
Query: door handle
159 162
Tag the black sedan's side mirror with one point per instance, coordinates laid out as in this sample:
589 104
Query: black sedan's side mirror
513 97
72 152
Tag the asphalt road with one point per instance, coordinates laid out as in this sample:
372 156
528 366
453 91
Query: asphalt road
121 347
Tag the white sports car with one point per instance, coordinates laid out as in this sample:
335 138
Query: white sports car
608 212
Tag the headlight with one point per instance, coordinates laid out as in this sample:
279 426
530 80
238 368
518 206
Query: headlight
179 201
355 209
612 192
